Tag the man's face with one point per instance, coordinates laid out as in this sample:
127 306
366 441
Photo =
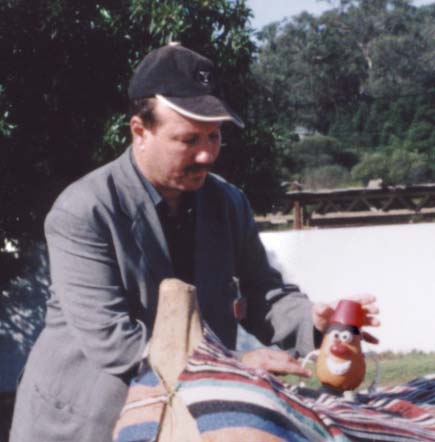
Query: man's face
177 153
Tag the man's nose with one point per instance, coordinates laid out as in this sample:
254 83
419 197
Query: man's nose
206 154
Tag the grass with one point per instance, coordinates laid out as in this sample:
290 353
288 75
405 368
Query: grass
396 368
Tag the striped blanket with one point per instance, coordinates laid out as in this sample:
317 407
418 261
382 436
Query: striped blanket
230 403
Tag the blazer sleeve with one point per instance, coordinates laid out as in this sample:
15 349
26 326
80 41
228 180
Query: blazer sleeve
277 312
86 282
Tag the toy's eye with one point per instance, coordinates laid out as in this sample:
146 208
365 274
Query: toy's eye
336 335
345 336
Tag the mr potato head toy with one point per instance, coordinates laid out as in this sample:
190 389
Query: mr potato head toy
341 364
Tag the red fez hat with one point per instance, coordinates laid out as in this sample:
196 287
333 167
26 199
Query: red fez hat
348 313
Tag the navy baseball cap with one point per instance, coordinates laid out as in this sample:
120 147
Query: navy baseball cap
183 80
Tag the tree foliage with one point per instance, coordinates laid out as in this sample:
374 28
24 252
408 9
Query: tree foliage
64 75
362 73
398 166
359 79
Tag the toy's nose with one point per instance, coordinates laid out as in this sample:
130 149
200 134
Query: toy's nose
340 350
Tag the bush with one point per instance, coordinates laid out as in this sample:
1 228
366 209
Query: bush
398 167
326 177
316 151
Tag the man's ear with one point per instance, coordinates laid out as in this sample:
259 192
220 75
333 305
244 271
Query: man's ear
137 128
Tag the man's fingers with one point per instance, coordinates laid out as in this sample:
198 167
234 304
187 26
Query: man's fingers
372 321
322 309
321 315
323 312
371 309
364 299
282 363
294 369
274 361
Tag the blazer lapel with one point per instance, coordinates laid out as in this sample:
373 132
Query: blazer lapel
145 226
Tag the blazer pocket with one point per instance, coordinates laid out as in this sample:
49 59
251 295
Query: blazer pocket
56 404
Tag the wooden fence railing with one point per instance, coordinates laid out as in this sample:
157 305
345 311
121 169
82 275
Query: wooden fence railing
357 206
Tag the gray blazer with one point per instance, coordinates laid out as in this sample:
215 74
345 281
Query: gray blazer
108 255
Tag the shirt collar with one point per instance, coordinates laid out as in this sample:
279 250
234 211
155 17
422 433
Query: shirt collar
188 200
155 196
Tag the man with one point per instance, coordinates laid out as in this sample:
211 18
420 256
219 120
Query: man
114 235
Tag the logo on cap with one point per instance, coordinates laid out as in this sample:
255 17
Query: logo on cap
204 77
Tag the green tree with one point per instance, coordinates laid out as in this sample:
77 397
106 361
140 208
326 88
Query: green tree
330 176
394 168
361 73
64 73
319 161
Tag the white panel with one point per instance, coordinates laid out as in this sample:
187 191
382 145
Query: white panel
395 263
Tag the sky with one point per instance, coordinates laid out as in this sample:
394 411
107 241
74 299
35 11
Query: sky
267 11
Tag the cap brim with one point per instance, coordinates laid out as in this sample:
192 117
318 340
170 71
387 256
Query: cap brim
205 108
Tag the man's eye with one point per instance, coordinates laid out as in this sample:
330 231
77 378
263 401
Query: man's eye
214 136
190 141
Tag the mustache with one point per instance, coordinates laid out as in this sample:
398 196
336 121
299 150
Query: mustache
195 168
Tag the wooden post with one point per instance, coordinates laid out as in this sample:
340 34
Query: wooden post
297 216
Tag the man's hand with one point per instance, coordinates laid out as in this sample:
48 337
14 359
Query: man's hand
323 312
274 361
